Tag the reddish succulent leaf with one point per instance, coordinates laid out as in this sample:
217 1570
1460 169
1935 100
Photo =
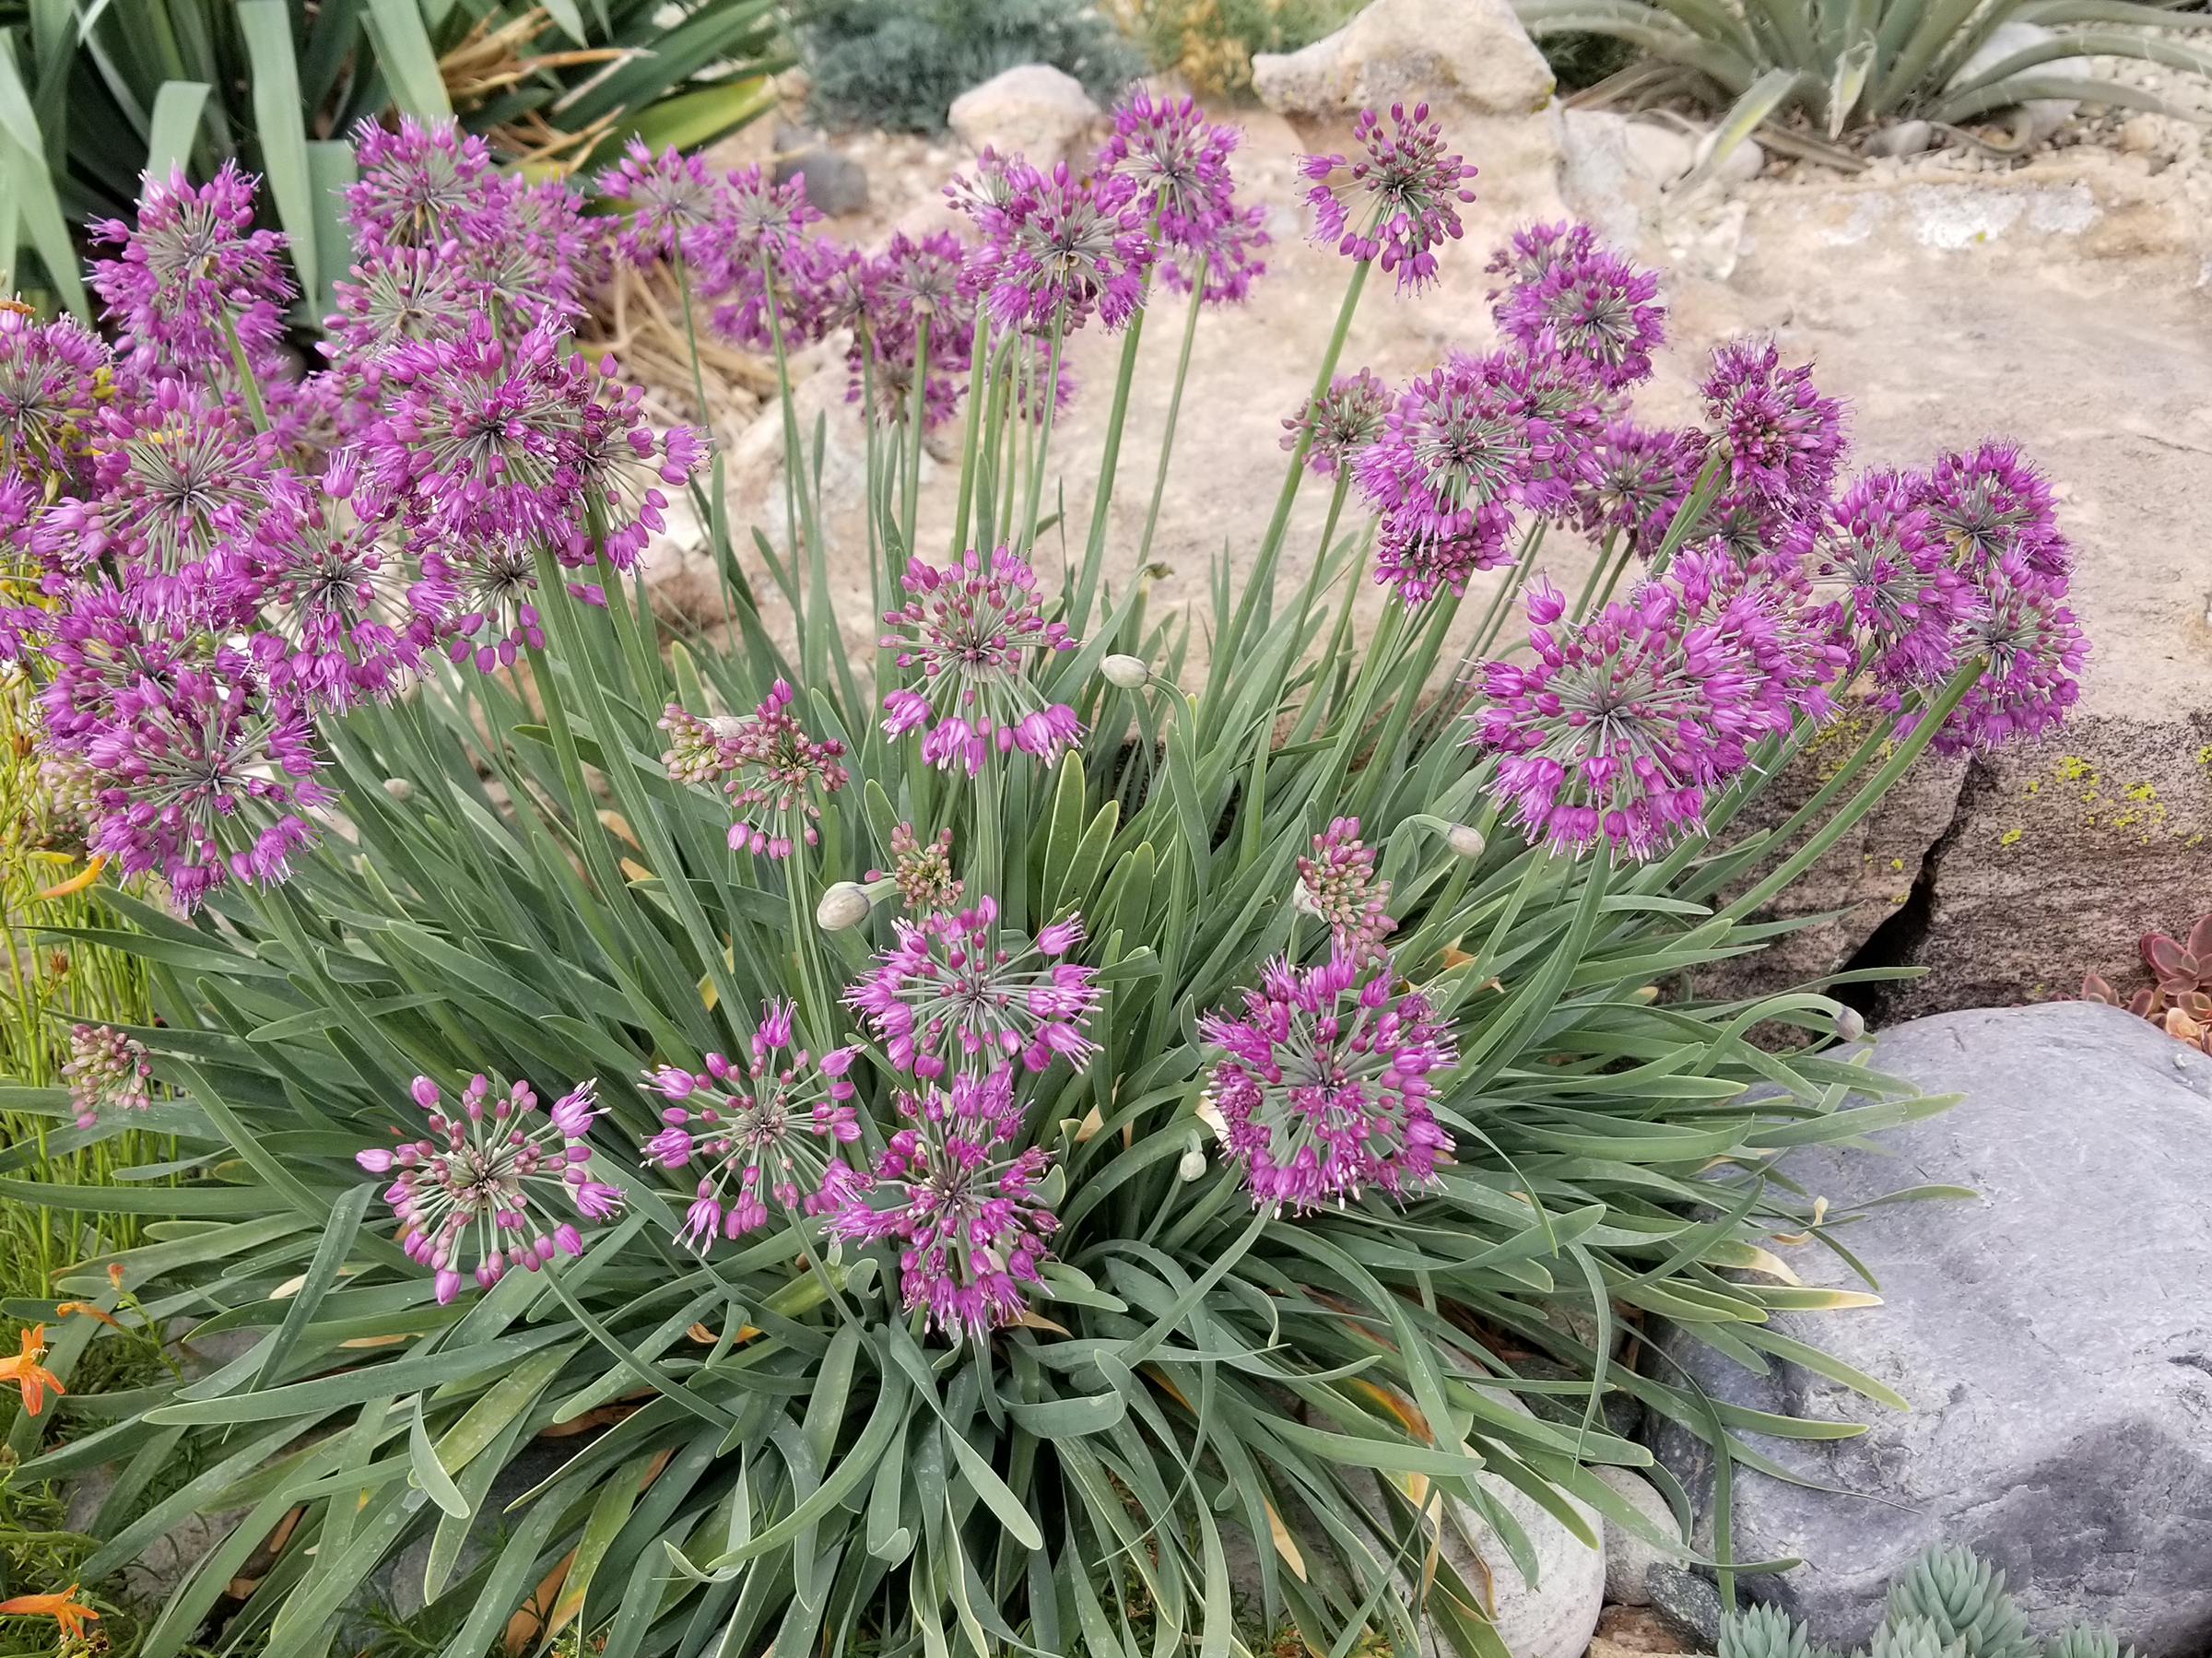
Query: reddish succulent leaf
2094 989
2145 1004
2200 944
2195 1004
2173 964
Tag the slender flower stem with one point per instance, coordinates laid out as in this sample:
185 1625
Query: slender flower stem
1102 499
912 483
246 383
1046 401
683 302
978 378
1167 438
1604 562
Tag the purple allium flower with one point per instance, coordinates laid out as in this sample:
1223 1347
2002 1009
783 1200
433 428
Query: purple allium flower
1448 449
614 458
1783 439
1625 720
1640 478
970 631
1322 1085
909 282
1895 593
1337 884
1561 410
106 1070
49 376
1415 185
1532 252
331 632
97 648
182 491
478 595
2035 650
407 294
1598 311
1179 161
192 258
956 987
767 765
673 204
1420 563
764 1131
423 187
1060 247
203 779
1347 418
921 870
1993 502
481 1183
961 1203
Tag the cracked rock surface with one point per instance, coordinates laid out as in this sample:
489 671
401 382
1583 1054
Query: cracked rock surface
2052 1334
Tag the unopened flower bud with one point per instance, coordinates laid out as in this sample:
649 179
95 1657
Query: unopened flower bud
1466 839
845 905
399 788
1851 1025
1192 1166
1128 672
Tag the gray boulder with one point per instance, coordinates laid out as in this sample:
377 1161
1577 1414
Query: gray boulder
1031 109
835 183
2054 1335
1471 53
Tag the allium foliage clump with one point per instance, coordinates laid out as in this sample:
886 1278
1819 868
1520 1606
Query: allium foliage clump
1027 1098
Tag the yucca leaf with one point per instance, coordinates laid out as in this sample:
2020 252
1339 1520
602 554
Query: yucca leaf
23 159
402 53
267 26
177 109
1760 99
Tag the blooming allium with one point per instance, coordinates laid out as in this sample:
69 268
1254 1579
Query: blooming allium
1625 720
755 251
482 1181
193 260
1598 311
1179 161
96 648
912 282
1337 884
49 375
1345 420
970 631
1993 502
1781 437
954 987
961 1203
615 460
204 777
2034 648
1450 453
1060 247
1640 476
330 634
764 1131
106 1070
407 294
423 187
921 870
478 594
1420 563
767 765
1322 1085
1895 593
672 202
1532 252
1561 410
1416 189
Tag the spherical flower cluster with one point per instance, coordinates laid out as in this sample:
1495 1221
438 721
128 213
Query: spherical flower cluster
1323 1086
1781 438
959 1201
672 200
49 375
1344 420
1414 188
767 765
1625 722
1638 478
1533 251
764 1131
1597 310
957 991
969 627
1180 162
106 1070
1060 247
193 273
1992 503
481 1183
1337 884
335 632
1895 594
910 300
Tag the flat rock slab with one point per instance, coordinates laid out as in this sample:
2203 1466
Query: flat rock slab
2053 1334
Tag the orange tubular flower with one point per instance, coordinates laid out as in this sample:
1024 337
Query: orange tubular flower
90 1311
64 1608
27 1373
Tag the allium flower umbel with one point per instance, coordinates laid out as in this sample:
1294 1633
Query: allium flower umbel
959 1201
1179 161
1598 311
193 260
106 1070
1781 437
1624 722
205 778
1992 502
2034 650
957 991
763 1130
483 1181
970 631
1345 420
921 870
1337 884
49 383
1896 596
1323 1086
1416 190
765 762
1534 251
672 202
1060 247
